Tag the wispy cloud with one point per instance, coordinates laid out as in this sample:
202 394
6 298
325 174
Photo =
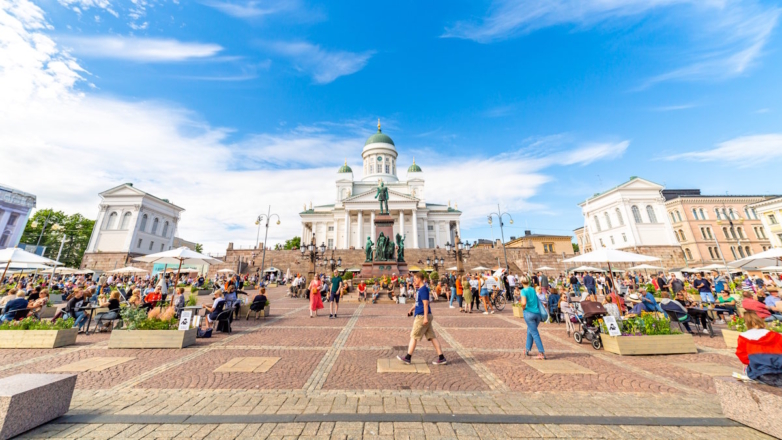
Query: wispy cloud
727 36
742 151
248 9
142 50
673 108
323 65
499 111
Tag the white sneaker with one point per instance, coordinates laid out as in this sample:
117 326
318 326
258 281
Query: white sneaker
451 307
721 321
485 313
492 312
705 331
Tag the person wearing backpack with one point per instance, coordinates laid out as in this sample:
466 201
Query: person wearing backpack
533 316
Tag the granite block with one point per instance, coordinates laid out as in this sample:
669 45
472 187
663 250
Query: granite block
30 400
755 405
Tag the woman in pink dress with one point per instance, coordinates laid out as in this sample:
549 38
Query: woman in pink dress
315 302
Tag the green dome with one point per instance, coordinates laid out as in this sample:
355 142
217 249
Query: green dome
414 168
379 137
345 168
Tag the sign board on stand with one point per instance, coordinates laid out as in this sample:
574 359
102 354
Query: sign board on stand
184 320
613 328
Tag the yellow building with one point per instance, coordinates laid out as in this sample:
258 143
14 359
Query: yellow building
543 243
770 214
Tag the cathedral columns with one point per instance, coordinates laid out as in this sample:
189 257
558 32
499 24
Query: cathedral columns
401 223
426 233
372 225
415 230
359 231
303 234
437 233
347 229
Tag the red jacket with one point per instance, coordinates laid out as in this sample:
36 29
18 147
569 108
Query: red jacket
756 306
761 351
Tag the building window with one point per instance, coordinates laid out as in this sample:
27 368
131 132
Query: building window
154 225
12 219
388 171
679 215
695 213
597 224
331 241
112 223
711 253
4 239
548 248
746 212
741 252
725 233
126 221
762 232
139 243
636 214
754 213
331 228
748 251
650 213
371 169
733 251
741 233
162 245
772 219
779 236
165 229
732 214
601 243
733 233
612 239
688 253
624 237
673 217
703 214
143 225
619 217
608 220
431 243
703 233
151 243
681 235
430 227
717 211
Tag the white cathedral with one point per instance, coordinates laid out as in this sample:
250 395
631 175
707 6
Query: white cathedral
350 219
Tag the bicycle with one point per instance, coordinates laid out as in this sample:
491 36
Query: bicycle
497 300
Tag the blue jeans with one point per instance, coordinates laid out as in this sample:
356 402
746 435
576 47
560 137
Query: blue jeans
7 317
81 318
533 320
453 295
707 297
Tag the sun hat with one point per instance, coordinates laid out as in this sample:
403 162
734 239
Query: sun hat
633 297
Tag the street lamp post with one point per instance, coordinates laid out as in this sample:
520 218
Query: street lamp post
433 261
313 253
499 215
258 221
457 251
331 262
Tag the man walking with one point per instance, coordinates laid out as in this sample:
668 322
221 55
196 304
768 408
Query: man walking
422 326
589 283
336 292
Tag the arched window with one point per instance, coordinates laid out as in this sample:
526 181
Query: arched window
608 221
689 254
746 212
733 233
733 251
143 225
725 233
154 225
636 214
165 229
741 252
741 233
748 251
731 213
597 224
708 232
619 217
711 252
695 213
681 234
112 223
703 214
679 215
724 214
125 221
703 233
754 213
717 211
673 217
650 213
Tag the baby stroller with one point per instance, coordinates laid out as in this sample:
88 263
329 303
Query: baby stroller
588 327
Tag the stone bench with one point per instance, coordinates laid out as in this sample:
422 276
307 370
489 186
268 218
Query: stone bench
755 405
30 400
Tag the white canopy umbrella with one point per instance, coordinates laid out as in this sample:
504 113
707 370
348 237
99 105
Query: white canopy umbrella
28 266
16 255
480 268
452 268
771 269
180 256
770 257
587 269
272 269
66 270
716 267
605 255
545 268
644 267
129 269
225 271
288 273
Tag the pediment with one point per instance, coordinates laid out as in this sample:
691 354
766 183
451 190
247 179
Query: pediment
122 190
369 196
641 184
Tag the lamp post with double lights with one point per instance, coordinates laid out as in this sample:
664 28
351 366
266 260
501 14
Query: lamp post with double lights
435 262
313 253
258 221
460 251
499 215
332 263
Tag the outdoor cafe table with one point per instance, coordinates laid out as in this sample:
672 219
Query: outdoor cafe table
697 312
91 310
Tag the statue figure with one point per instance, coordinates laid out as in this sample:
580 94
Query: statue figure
400 248
382 197
368 249
380 248
390 247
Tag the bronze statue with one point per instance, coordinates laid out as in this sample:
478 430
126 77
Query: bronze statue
400 248
382 197
390 247
368 250
380 248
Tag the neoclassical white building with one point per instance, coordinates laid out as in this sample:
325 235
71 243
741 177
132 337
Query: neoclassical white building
15 209
629 215
133 222
349 220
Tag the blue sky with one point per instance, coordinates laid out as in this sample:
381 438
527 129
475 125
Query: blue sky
225 107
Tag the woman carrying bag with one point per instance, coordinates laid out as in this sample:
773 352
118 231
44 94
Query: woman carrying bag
316 302
534 314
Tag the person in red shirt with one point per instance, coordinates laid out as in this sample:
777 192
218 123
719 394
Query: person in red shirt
362 290
761 351
152 298
750 303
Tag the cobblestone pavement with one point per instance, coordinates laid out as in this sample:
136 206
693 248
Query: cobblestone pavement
328 367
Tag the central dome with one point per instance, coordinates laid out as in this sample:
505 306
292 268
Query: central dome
379 137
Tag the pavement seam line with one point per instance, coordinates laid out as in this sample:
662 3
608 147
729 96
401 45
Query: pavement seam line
201 351
634 369
481 370
322 370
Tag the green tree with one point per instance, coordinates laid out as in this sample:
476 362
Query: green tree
575 247
293 243
76 229
199 248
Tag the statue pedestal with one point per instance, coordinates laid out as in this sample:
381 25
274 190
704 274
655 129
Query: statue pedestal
383 223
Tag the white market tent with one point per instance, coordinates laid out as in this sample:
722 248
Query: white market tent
545 268
608 256
771 269
479 268
451 269
771 257
587 269
16 255
644 267
129 269
272 269
225 271
180 256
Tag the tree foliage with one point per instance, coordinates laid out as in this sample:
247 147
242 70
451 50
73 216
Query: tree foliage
75 228
293 243
199 248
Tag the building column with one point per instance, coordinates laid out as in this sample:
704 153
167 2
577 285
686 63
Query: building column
347 229
303 235
426 233
437 233
458 230
401 223
96 230
415 229
359 231
372 225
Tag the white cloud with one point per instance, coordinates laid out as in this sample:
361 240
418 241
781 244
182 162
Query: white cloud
727 36
66 147
143 50
249 9
324 66
742 151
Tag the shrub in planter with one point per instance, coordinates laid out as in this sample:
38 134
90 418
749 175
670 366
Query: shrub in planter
192 299
649 333
153 330
31 323
32 333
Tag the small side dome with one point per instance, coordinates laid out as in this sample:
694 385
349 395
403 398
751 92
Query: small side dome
345 168
414 168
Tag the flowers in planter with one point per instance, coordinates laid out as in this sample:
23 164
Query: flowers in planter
139 319
646 324
737 324
31 323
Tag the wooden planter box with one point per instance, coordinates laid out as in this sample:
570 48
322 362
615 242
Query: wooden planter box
47 312
518 312
37 338
152 338
202 292
660 344
272 285
731 338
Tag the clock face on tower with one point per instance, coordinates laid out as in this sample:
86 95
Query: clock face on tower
379 158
